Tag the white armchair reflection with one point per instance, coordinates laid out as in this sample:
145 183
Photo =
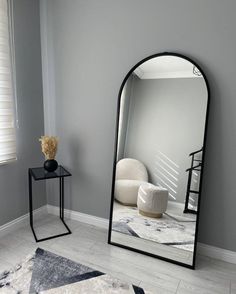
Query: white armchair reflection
130 174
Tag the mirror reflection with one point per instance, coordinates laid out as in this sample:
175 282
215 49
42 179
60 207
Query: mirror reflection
159 158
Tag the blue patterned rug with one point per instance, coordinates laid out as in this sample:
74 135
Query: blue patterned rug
46 272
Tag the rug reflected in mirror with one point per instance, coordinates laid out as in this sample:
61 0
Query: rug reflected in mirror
174 229
48 273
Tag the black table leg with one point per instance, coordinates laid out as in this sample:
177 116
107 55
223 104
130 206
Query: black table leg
62 204
60 188
62 197
30 198
31 204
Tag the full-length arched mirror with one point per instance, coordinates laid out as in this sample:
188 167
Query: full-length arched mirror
159 154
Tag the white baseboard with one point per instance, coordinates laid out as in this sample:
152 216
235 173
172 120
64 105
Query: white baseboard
216 253
202 249
81 217
18 222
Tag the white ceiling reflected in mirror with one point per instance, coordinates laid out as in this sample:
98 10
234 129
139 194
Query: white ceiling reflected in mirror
158 165
167 67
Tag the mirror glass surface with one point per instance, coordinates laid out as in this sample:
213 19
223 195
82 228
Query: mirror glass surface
162 115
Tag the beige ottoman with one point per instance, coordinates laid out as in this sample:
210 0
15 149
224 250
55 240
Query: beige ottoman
152 200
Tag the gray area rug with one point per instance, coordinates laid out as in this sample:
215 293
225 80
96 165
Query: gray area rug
48 273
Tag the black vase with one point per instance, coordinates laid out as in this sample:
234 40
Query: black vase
50 165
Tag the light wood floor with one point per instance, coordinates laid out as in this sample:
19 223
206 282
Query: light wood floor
88 245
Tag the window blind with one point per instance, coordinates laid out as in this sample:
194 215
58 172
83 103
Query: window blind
7 105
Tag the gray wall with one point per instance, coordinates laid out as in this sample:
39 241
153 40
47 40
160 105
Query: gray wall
166 124
124 116
95 45
13 176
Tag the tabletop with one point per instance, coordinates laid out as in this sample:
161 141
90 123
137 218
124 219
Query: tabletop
39 173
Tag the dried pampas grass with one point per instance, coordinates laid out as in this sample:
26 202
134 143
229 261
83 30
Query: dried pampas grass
49 146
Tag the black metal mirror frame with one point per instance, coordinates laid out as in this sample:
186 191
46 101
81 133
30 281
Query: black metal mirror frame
115 160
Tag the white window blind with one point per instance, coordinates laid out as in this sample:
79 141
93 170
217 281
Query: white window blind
7 105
